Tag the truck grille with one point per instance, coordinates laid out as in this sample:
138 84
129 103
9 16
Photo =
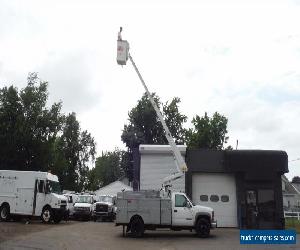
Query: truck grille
101 208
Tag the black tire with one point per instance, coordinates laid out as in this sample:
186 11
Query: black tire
202 228
47 215
137 228
57 219
4 212
89 217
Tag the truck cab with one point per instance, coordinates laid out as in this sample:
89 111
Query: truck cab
49 191
185 213
83 207
104 208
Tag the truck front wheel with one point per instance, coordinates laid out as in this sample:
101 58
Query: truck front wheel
47 215
4 212
202 228
137 227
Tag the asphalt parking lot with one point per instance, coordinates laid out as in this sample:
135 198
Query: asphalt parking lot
104 235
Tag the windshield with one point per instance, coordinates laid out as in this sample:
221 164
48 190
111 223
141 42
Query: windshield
53 187
190 200
106 199
84 199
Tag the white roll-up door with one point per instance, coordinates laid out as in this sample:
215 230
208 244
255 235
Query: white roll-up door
157 162
217 190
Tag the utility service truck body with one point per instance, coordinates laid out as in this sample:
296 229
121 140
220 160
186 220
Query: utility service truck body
147 209
30 193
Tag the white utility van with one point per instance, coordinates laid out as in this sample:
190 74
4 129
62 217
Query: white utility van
30 193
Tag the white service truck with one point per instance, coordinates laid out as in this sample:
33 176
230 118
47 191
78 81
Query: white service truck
104 208
148 209
83 207
30 193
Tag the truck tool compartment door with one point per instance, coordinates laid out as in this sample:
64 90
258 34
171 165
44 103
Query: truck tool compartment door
24 200
182 214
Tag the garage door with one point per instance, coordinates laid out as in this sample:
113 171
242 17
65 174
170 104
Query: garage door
219 192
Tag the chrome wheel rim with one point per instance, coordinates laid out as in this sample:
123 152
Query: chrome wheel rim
4 213
46 215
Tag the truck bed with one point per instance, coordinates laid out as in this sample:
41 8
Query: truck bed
148 204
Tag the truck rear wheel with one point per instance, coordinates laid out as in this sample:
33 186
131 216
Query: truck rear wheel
137 227
4 212
202 228
47 215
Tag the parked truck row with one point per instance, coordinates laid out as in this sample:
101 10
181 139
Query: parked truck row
38 194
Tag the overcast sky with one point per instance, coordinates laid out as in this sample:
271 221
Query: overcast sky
241 59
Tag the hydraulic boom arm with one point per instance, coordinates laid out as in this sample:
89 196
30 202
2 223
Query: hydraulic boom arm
123 55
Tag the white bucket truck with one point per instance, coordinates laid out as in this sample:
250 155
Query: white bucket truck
30 193
148 209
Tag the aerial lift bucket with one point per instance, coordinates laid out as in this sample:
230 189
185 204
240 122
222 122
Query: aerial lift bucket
122 52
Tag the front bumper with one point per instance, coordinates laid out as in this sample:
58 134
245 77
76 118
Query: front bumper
60 212
213 224
103 214
82 213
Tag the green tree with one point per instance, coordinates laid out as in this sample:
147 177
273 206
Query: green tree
145 127
108 168
175 120
127 164
208 132
296 179
74 151
28 128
